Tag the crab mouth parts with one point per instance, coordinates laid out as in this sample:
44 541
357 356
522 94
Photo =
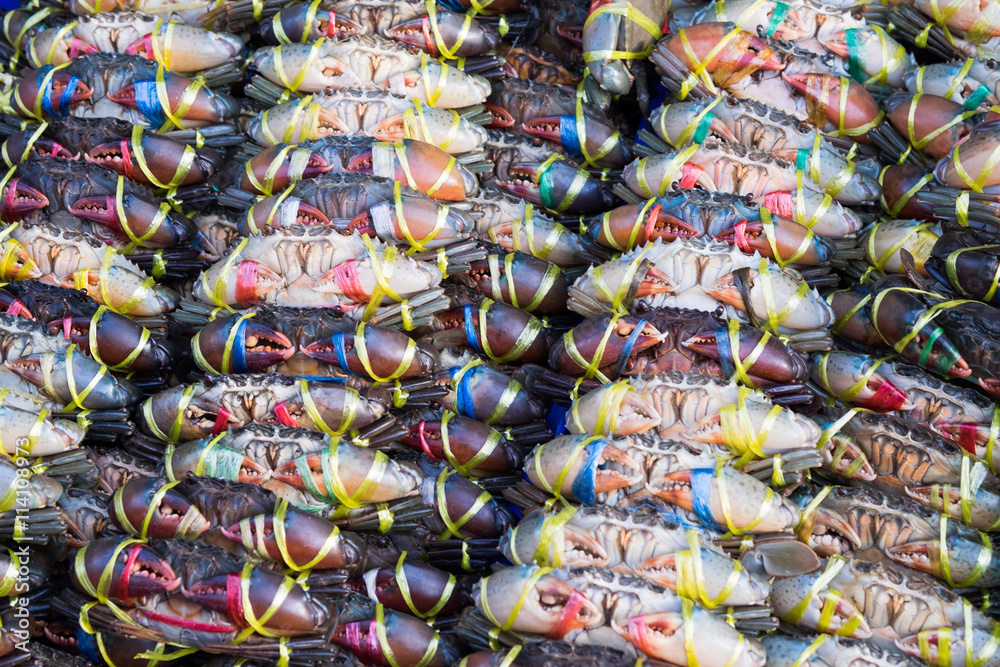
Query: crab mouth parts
310 215
581 552
521 181
81 94
615 470
27 369
571 33
501 117
916 556
95 209
547 127
827 542
149 574
655 282
265 344
109 154
20 199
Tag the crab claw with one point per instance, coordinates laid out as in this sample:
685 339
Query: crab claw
743 289
20 199
158 160
839 373
451 34
901 183
277 211
582 344
971 164
599 468
527 282
60 378
823 93
423 167
309 540
291 123
387 353
42 93
782 429
896 318
313 72
119 340
245 283
624 412
213 459
565 131
19 147
788 594
540 536
303 24
721 576
297 614
982 511
502 118
252 348
792 243
11 305
444 128
467 440
51 47
137 218
830 534
491 396
398 639
449 88
356 466
750 505
208 107
963 560
261 176
776 364
714 643
138 571
722 50
172 516
557 186
360 280
204 50
18 265
550 606
436 590
935 123
844 457
931 646
417 221
467 511
626 227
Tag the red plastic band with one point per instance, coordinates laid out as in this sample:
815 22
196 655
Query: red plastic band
576 600
651 223
16 307
689 175
423 442
246 282
346 275
780 203
184 623
285 419
740 234
133 555
127 160
221 421
331 24
234 598
67 327
887 398
9 196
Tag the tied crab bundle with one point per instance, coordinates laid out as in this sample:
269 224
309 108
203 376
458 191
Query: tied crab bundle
419 333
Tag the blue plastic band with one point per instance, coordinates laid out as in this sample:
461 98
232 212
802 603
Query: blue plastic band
802 159
463 394
568 135
470 330
585 483
337 340
148 103
702 480
87 646
726 355
46 93
627 347
238 358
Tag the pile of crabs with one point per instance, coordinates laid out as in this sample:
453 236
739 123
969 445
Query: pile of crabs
500 333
